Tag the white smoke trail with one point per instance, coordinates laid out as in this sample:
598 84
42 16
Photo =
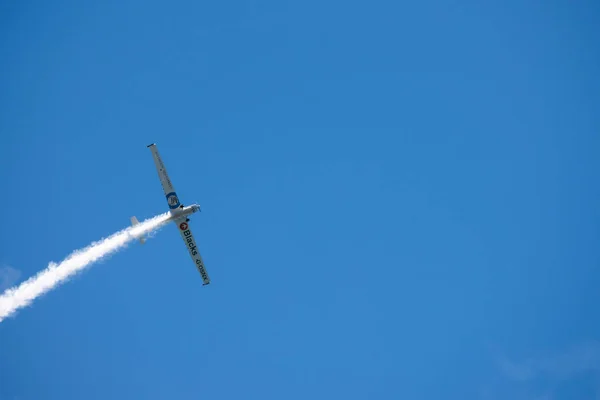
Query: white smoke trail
20 296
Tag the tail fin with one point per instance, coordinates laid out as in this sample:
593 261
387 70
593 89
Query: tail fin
134 222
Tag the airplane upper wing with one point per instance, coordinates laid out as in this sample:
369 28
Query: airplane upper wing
167 186
188 238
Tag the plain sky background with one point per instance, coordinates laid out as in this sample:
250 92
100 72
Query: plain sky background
399 199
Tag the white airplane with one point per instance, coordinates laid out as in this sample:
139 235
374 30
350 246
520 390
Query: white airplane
179 214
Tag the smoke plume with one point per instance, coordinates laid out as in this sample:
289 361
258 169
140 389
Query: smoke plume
21 296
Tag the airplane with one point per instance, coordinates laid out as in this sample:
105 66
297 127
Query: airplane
179 214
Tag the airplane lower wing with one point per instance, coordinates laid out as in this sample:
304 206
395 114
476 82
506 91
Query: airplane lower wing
188 238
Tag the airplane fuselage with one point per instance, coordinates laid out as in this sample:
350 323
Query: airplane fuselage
185 211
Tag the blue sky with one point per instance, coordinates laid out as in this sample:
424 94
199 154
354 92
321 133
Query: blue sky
399 200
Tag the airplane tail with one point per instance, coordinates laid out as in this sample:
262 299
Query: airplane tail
134 222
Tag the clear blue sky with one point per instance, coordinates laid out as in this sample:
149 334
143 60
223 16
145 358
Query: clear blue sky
399 200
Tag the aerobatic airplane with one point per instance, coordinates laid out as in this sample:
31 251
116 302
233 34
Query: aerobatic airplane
179 214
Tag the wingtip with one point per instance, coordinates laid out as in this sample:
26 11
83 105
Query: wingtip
151 144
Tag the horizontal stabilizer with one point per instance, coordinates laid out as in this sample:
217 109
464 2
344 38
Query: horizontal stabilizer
134 222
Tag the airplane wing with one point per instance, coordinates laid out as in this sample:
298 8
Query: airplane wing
188 238
167 186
